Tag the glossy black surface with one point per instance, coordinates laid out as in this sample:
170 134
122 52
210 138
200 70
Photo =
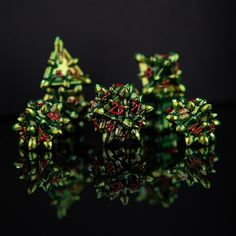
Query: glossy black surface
196 211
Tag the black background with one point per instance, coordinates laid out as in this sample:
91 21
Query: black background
105 35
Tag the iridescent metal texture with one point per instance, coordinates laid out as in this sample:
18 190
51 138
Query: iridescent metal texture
63 81
118 112
161 82
39 124
194 120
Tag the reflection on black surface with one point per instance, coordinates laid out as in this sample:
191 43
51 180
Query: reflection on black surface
119 173
150 172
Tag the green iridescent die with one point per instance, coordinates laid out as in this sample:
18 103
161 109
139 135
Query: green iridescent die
39 124
161 82
118 112
194 120
63 81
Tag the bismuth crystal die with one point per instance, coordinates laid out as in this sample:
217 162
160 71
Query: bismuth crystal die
63 81
118 112
161 82
194 120
39 124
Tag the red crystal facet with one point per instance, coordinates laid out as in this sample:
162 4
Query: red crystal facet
54 116
23 133
194 129
110 168
23 129
148 73
116 109
109 127
135 185
119 85
58 73
140 123
105 96
166 83
117 186
40 131
198 130
212 128
169 109
43 138
96 125
135 107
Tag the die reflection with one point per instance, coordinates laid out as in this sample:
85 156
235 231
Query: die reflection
151 172
118 173
61 173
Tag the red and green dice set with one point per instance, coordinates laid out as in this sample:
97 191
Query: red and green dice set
120 112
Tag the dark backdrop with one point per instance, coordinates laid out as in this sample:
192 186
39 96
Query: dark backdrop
105 35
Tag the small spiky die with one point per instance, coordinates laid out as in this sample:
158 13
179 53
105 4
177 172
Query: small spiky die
39 124
161 82
118 112
63 75
160 75
118 173
196 167
40 171
194 120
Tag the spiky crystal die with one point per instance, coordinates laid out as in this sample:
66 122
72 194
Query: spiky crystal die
161 82
194 120
160 75
63 81
39 124
63 75
118 112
